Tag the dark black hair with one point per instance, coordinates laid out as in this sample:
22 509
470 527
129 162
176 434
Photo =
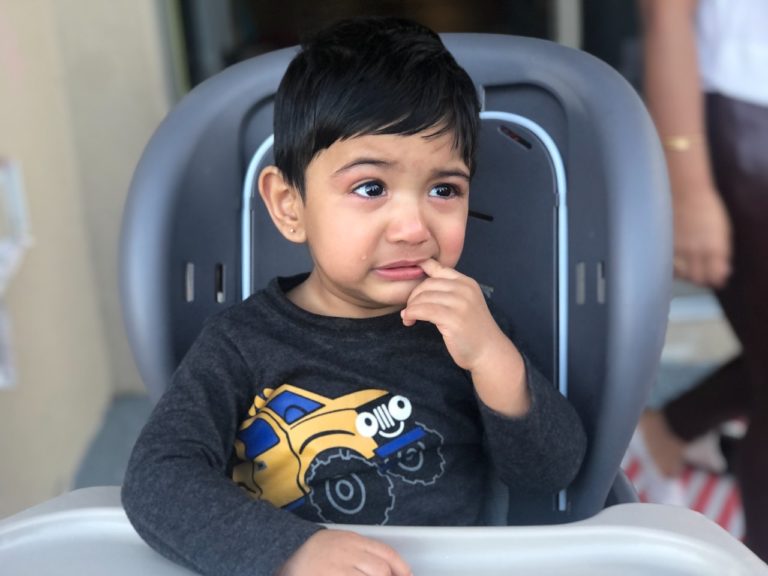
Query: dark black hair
371 76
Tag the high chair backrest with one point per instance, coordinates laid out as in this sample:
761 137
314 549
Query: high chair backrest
569 232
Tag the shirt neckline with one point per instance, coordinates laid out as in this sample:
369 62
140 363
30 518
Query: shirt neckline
278 287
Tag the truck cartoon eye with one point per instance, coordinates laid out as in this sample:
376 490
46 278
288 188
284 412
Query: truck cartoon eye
400 407
366 424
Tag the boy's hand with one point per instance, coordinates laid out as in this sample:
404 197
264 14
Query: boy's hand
341 553
455 304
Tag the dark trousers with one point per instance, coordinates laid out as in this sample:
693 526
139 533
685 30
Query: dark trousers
738 136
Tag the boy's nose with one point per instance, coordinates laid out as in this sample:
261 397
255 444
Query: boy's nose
407 224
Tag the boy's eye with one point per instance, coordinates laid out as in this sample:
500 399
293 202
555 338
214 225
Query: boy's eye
369 190
444 191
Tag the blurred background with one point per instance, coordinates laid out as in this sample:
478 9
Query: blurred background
83 84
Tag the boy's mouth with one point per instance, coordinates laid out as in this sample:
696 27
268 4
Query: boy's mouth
402 270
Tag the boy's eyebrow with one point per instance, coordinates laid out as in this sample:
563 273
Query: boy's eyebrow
448 173
360 162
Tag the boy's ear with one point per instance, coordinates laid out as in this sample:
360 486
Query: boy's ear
284 203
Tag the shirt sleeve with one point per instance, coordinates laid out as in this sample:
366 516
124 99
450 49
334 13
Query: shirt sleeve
177 493
542 450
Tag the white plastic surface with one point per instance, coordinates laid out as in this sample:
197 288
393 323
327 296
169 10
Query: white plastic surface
86 533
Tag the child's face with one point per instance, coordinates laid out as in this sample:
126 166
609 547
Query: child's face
375 207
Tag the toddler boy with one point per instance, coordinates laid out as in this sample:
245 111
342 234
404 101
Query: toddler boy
376 389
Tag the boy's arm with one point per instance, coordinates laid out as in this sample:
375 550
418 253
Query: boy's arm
181 501
455 304
176 491
541 451
535 437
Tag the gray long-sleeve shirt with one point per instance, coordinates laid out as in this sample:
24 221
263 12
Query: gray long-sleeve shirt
279 419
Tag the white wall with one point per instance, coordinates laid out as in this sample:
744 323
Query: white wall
113 67
82 86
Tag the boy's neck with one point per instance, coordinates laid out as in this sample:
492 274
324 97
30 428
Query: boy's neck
308 298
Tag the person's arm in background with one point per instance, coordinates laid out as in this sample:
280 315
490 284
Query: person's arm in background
674 97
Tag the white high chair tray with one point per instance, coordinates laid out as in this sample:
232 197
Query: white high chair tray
86 533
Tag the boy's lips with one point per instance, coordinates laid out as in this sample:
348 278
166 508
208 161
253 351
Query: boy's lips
402 270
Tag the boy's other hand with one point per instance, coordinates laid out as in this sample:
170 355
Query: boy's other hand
341 553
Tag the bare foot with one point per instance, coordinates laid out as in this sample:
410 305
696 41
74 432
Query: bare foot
666 449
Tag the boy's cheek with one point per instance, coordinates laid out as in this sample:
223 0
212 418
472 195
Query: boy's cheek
451 247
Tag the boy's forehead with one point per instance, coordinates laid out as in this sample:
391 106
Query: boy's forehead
442 145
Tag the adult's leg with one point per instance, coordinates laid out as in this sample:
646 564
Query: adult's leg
738 138
721 396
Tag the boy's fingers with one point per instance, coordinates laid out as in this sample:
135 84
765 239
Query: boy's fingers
391 557
425 312
434 269
450 300
431 266
431 287
457 291
439 277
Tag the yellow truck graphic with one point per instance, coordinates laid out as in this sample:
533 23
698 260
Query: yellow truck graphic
293 436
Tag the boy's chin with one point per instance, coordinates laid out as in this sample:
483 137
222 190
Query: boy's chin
381 306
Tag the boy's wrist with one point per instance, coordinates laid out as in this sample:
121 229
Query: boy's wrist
500 379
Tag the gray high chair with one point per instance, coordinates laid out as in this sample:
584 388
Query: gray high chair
569 233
